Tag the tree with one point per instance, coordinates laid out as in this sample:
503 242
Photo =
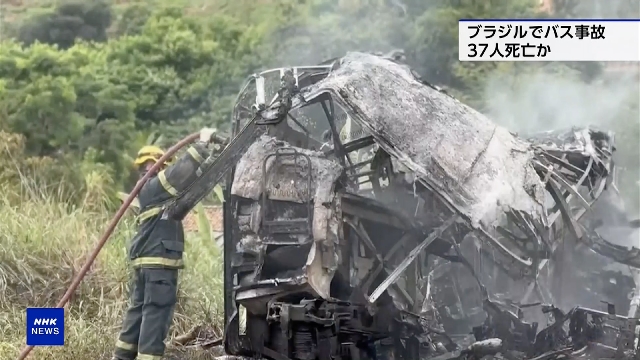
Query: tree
70 21
133 19
62 102
326 29
178 68
177 74
582 9
76 95
435 39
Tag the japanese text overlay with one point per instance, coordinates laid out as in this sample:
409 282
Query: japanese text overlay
549 40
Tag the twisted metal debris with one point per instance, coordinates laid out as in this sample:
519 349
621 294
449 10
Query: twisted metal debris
369 214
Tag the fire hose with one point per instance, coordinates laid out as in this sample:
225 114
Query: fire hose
112 225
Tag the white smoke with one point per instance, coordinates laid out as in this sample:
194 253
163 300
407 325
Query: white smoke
541 102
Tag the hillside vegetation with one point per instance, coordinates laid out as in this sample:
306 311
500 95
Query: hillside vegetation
84 84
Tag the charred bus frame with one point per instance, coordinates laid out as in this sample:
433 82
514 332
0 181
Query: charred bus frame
521 247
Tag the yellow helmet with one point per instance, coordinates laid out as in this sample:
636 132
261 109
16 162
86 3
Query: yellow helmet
148 153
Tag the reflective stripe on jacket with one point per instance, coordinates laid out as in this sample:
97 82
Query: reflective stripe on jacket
159 241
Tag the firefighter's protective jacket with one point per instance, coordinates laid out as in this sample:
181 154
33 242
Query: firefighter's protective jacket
159 241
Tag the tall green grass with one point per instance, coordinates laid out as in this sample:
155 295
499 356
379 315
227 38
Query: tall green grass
45 241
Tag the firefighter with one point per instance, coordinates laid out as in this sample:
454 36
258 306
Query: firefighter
147 157
156 253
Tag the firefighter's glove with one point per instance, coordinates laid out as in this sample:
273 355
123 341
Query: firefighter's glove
207 135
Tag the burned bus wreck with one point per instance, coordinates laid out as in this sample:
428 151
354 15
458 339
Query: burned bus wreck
370 215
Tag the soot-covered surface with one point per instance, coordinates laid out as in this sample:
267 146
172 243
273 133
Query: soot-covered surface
481 168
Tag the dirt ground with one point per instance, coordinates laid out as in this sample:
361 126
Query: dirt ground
214 214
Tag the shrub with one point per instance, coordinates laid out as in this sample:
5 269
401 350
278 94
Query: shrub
68 23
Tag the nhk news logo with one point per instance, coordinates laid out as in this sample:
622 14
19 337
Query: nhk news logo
45 326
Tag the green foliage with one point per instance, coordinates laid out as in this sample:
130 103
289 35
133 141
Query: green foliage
87 183
176 75
64 103
132 20
169 73
75 106
582 9
435 40
68 23
325 29
178 69
204 226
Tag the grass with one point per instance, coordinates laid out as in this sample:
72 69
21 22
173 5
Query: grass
43 243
